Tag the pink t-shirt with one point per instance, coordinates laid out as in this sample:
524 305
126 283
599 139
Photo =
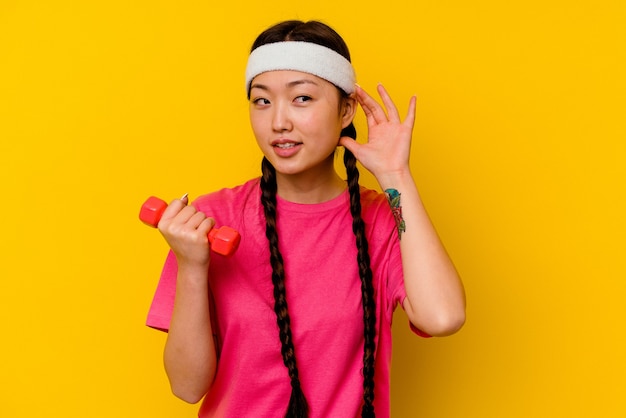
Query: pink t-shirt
324 299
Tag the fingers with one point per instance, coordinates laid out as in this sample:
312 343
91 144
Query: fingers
179 216
375 113
174 208
197 219
410 114
392 111
349 144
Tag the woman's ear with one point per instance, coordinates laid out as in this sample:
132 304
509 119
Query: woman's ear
348 110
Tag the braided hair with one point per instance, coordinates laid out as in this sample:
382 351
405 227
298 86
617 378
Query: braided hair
319 33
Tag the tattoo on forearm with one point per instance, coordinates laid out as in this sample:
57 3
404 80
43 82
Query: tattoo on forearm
393 196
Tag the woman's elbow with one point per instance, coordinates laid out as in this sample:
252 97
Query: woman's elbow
187 394
190 389
443 325
189 381
450 326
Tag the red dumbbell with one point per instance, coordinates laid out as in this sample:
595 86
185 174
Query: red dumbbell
223 240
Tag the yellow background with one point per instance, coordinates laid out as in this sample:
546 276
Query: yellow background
519 153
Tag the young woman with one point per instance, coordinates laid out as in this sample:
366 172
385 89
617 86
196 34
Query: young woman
297 322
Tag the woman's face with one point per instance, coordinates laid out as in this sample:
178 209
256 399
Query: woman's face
297 119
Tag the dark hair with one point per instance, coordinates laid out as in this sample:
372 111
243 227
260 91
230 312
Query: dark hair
319 33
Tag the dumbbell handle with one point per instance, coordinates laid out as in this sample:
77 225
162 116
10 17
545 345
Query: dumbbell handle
223 240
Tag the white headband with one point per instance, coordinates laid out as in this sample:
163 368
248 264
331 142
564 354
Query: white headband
301 56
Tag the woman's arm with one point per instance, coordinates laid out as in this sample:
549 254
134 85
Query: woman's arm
189 355
435 300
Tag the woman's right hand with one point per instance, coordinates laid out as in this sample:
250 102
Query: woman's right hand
186 231
189 356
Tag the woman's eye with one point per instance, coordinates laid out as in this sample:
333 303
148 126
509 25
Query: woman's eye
260 101
302 99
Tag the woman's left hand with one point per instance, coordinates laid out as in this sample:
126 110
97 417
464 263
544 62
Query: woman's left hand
435 301
388 147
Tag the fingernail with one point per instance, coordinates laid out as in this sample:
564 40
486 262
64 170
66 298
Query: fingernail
184 196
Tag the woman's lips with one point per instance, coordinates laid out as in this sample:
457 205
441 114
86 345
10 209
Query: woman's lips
286 148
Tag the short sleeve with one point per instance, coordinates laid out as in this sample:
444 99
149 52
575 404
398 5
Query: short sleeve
162 305
396 287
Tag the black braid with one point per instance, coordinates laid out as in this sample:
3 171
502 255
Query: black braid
367 288
298 407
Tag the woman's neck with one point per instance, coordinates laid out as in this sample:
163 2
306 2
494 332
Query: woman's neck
309 189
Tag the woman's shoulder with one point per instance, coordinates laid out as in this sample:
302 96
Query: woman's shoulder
375 208
371 196
373 200
229 196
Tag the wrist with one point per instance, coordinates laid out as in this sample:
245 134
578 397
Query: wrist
399 179
193 272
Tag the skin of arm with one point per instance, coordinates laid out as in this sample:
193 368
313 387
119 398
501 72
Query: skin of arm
435 300
189 355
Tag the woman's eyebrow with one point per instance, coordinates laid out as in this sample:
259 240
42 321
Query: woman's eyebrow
301 81
290 84
259 86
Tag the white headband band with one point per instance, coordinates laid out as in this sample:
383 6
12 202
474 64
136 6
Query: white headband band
302 56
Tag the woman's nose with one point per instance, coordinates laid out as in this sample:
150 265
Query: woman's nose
281 120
